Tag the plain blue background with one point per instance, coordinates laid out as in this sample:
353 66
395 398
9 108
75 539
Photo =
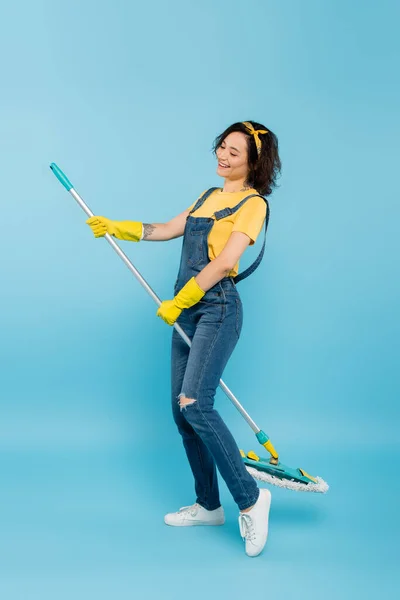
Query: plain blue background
127 98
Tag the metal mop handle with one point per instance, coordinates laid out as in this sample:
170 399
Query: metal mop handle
261 436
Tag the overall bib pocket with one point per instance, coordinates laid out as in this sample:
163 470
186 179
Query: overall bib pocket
195 248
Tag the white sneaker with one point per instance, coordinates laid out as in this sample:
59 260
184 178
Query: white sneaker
195 515
253 524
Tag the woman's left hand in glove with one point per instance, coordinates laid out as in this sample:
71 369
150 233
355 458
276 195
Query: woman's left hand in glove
189 295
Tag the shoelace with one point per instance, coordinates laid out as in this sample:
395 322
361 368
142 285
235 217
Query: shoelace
192 510
246 527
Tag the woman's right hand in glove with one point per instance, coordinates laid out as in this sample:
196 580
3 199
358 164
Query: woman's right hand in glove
123 230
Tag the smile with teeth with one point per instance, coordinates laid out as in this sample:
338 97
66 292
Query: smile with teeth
223 166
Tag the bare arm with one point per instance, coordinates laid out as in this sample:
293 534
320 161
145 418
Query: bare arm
219 268
161 232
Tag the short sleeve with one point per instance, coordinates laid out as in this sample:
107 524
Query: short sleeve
250 218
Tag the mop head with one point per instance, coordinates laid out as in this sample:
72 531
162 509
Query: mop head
320 486
281 475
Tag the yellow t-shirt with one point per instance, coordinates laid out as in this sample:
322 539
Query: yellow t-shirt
249 219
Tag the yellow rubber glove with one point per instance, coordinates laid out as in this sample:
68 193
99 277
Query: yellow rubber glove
123 230
189 295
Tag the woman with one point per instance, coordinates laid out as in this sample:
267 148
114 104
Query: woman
217 229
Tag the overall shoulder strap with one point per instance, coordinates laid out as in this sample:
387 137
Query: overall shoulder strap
256 263
224 212
202 199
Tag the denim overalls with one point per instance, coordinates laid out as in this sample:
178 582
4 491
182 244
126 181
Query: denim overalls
214 326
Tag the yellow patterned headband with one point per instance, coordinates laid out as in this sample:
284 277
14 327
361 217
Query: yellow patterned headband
255 134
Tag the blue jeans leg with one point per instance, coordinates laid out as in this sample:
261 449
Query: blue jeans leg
200 459
213 342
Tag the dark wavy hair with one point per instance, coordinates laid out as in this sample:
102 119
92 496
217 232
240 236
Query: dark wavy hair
263 169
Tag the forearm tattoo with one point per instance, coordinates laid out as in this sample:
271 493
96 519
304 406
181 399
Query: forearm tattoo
148 229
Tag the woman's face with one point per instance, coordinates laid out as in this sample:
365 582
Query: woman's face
232 157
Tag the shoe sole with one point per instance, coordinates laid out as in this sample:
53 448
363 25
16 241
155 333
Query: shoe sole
194 523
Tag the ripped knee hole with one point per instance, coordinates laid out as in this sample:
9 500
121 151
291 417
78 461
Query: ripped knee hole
184 402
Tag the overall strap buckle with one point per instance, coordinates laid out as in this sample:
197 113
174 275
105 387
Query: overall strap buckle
224 212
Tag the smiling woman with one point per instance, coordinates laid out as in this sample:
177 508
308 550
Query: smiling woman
216 229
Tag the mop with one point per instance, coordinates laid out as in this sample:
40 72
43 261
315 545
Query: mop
269 470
